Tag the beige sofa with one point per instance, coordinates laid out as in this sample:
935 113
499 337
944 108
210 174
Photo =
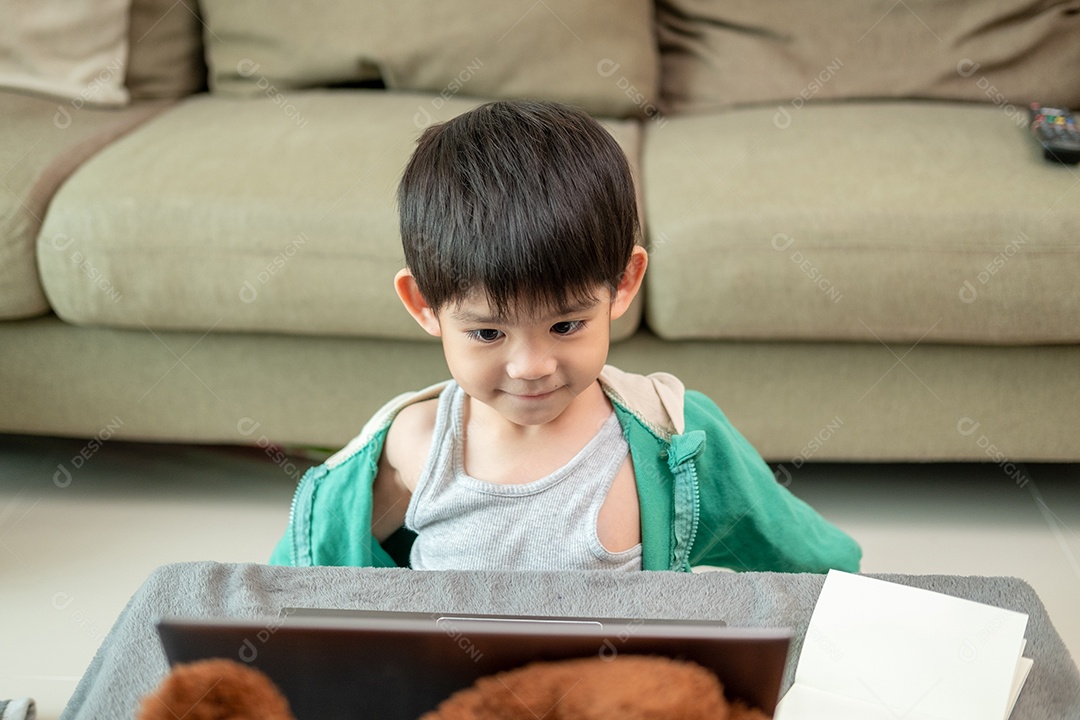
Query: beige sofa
856 248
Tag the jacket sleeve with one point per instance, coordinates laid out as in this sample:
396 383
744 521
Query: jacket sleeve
330 520
746 519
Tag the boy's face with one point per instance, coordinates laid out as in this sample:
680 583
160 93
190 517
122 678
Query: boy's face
530 367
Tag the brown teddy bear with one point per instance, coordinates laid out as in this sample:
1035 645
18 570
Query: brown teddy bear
628 687
215 690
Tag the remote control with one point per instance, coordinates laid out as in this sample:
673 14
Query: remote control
1056 131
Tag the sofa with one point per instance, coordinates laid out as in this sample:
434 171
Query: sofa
856 247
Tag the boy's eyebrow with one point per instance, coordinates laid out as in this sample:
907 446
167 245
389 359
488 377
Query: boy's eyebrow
465 316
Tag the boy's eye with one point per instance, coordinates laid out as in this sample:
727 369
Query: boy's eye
485 335
567 327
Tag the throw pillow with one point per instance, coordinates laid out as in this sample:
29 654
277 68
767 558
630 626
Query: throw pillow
72 49
596 54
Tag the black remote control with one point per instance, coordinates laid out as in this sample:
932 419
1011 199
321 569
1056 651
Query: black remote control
1056 131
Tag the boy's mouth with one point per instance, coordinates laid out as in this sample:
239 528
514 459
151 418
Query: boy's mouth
533 395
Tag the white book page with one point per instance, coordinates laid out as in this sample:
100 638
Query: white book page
908 651
1022 669
803 702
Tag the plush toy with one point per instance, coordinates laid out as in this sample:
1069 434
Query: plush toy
215 690
628 687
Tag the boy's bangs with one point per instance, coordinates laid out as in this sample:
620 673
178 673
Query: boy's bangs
520 276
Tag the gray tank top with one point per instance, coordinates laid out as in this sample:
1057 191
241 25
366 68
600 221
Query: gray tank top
548 524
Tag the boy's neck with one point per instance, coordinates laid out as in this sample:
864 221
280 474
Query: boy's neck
501 451
582 417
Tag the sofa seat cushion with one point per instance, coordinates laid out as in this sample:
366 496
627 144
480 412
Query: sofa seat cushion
265 214
42 142
901 221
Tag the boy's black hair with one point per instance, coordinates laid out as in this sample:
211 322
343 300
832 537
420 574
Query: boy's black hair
532 203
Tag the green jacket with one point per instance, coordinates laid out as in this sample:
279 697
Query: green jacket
707 497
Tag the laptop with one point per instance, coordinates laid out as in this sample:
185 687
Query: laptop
398 665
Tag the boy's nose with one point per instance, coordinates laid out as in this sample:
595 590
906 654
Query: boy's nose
530 361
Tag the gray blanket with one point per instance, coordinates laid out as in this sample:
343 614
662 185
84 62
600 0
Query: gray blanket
130 662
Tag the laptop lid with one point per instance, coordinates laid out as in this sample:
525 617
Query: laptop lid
399 665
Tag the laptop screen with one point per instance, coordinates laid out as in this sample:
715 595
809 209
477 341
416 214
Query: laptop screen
350 664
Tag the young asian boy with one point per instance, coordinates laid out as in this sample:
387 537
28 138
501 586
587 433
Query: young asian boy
519 227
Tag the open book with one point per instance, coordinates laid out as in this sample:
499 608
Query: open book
876 649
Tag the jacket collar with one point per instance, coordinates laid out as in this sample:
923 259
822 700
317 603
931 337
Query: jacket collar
656 399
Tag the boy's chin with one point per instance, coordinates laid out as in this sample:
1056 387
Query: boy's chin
530 411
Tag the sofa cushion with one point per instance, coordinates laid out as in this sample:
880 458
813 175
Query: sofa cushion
71 50
165 58
42 142
896 222
718 54
596 54
249 215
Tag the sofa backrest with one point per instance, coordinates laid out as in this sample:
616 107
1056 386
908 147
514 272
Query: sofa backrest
604 56
742 52
617 59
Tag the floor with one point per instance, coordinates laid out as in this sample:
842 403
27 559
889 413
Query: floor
81 525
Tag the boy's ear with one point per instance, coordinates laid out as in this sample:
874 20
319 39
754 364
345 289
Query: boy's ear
414 302
629 282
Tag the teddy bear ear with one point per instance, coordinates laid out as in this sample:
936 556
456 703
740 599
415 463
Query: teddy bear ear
215 690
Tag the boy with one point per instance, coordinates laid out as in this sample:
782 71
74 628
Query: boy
519 225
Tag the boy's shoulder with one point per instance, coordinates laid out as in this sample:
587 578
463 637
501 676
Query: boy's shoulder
408 437
388 414
416 415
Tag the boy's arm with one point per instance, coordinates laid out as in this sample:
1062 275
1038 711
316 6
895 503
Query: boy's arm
330 519
747 520
340 505
329 522
389 495
403 458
